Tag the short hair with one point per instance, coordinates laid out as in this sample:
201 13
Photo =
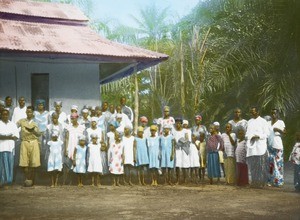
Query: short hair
7 97
256 108
21 97
30 107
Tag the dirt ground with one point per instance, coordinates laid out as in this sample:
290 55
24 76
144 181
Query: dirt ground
189 201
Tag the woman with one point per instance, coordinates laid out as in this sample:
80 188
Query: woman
276 150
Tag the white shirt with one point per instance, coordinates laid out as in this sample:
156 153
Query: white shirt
228 147
277 141
7 129
19 113
259 127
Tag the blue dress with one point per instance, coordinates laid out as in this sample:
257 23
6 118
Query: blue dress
80 160
141 151
166 151
153 146
55 155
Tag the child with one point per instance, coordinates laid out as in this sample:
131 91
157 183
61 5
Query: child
167 145
154 154
240 154
79 159
95 163
214 145
128 154
194 159
55 157
202 153
295 158
229 139
141 155
115 153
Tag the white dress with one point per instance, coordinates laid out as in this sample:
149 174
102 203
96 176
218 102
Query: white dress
55 155
91 131
128 150
186 161
178 151
194 156
95 162
73 138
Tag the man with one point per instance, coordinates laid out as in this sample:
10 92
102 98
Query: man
20 111
126 109
30 149
9 106
256 136
238 121
8 134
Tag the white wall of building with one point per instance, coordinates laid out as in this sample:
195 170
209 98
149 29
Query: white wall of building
72 82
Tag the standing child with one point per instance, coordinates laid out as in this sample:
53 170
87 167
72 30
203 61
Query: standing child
55 163
214 145
295 158
79 159
141 155
194 158
115 153
229 139
202 153
154 154
95 163
128 154
167 144
240 154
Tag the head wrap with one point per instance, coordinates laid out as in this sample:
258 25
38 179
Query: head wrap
74 107
74 115
216 123
95 119
166 108
58 103
2 103
198 117
144 119
185 122
119 115
40 101
85 111
167 126
55 133
153 127
81 137
140 128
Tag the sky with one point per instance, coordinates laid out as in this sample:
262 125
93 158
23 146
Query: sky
120 10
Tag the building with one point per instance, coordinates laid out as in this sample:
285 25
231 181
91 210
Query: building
48 51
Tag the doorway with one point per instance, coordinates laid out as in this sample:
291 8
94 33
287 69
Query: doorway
40 88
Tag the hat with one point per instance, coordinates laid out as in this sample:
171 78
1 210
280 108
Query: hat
94 135
93 107
153 127
119 115
167 126
74 107
81 137
113 123
74 115
95 119
55 133
40 101
166 108
185 122
58 103
140 128
129 126
85 111
198 117
216 123
144 119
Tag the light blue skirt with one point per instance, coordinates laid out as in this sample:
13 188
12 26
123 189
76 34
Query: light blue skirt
6 167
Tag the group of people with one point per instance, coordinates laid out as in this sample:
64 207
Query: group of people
101 141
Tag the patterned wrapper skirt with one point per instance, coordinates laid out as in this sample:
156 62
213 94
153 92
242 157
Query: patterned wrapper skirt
229 165
276 166
242 174
297 177
258 166
213 165
6 167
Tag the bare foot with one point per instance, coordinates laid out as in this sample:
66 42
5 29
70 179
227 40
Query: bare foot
52 186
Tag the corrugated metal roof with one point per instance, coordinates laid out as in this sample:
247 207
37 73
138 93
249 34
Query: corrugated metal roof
64 39
42 9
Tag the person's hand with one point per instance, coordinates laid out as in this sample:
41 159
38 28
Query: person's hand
74 163
172 157
276 130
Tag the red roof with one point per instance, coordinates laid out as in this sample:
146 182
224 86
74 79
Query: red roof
53 29
42 9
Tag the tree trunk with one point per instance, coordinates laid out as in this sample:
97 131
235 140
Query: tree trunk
136 100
